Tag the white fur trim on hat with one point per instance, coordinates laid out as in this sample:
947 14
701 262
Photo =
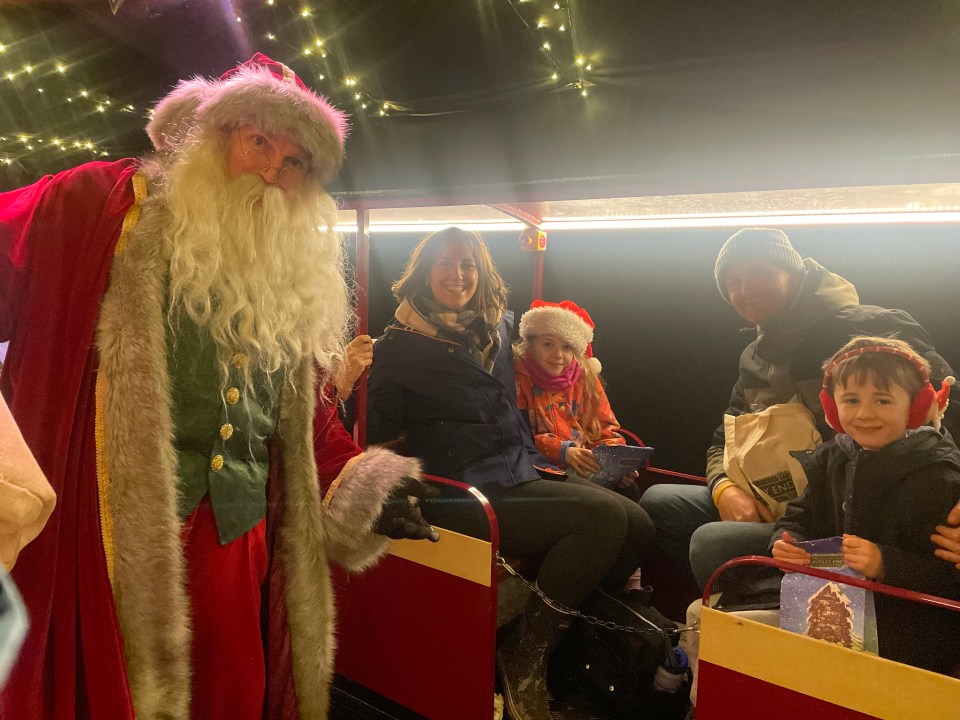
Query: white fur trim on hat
254 96
593 364
559 322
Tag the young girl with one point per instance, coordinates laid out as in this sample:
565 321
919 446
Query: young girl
558 385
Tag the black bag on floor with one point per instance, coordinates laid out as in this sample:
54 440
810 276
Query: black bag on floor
611 672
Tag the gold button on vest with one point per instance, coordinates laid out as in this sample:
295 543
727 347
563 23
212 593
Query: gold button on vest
216 463
226 431
233 396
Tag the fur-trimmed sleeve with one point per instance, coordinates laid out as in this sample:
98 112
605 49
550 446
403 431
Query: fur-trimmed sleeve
352 505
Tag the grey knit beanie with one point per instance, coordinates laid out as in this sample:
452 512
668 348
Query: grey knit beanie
756 244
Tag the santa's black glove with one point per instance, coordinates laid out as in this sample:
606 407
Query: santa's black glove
401 516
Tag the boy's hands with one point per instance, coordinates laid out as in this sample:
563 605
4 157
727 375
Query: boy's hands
785 549
863 556
581 461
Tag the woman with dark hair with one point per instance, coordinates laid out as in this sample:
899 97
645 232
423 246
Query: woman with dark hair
442 384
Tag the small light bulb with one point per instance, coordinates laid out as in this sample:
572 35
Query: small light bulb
546 46
100 108
9 76
28 68
583 92
589 67
321 76
60 68
269 2
556 6
307 51
554 76
562 28
271 36
386 106
318 42
363 105
3 48
39 90
350 81
305 12
541 23
356 96
580 60
83 93
239 19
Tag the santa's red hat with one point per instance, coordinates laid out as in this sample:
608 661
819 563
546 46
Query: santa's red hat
566 320
259 92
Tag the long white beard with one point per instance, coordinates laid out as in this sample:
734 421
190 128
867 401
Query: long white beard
260 268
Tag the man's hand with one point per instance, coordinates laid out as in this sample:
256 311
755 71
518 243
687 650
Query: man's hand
863 556
581 461
629 480
948 538
734 504
401 517
785 549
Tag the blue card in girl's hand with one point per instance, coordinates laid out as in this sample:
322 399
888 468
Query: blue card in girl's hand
616 461
828 610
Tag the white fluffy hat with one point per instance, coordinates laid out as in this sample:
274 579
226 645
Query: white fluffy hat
259 92
566 320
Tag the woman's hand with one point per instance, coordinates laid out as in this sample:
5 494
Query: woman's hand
629 480
948 538
785 549
358 357
863 556
581 461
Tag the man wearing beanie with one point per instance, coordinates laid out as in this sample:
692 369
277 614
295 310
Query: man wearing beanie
169 320
802 313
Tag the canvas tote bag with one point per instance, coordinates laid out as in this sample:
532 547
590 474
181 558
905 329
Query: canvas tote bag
756 454
26 498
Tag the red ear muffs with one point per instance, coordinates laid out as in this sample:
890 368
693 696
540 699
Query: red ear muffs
919 407
830 412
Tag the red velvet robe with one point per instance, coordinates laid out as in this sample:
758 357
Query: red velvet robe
57 241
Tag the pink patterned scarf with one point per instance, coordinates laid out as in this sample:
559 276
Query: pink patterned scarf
544 380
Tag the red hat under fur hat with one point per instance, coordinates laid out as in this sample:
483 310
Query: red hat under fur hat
259 92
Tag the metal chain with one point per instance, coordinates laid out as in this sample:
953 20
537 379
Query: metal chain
592 619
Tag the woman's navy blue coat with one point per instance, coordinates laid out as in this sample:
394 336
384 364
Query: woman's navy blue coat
461 421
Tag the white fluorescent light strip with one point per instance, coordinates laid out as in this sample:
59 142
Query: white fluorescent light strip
679 222
752 220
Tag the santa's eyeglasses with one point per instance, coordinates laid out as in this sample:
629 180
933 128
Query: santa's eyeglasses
256 151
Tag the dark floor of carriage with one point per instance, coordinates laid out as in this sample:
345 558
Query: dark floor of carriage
350 701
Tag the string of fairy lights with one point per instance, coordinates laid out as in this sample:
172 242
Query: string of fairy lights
553 27
296 39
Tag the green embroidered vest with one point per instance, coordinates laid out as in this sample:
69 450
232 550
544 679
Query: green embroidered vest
220 433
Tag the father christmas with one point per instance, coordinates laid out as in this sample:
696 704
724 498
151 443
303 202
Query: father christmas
172 322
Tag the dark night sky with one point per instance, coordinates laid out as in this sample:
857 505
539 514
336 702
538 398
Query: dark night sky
687 95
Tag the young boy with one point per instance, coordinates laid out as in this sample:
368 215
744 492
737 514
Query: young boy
883 483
